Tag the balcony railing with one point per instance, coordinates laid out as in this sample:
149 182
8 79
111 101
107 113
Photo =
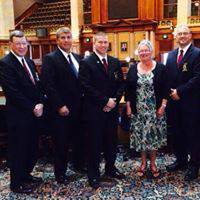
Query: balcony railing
194 20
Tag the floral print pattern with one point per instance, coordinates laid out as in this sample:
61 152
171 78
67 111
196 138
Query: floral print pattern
147 131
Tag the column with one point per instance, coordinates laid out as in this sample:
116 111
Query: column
7 18
152 39
132 45
183 11
76 22
146 35
115 45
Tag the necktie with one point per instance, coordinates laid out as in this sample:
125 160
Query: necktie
27 71
72 66
105 64
180 57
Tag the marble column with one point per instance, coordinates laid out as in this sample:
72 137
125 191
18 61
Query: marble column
7 18
152 39
76 23
183 11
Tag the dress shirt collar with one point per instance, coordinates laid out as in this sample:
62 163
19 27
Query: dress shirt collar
18 57
184 49
101 57
65 53
74 61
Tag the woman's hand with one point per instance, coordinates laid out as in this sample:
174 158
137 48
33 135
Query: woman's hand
128 109
160 112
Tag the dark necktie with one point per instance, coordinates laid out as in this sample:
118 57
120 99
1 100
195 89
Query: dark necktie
105 64
72 66
180 57
27 71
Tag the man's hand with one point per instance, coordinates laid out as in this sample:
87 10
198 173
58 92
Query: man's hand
106 109
63 111
174 95
38 110
111 103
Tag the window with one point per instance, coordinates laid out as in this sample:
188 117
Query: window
123 9
170 8
87 11
195 8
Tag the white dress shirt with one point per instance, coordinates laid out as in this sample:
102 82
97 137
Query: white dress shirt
75 62
20 60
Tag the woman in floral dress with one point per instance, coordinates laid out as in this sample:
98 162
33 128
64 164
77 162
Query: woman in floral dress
146 101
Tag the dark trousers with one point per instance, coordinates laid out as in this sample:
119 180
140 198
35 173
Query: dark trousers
102 137
22 149
185 132
67 133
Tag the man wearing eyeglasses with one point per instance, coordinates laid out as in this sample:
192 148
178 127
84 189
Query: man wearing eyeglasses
183 70
23 108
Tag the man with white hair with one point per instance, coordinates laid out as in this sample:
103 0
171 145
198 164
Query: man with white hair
24 105
183 70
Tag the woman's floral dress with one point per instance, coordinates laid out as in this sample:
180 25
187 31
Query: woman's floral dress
147 131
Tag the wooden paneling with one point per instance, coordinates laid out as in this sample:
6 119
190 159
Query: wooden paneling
112 44
45 49
104 11
122 9
35 51
123 39
165 45
96 11
159 9
150 9
4 48
147 9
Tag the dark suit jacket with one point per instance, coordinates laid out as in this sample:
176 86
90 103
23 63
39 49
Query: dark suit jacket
98 86
185 78
60 83
159 82
21 94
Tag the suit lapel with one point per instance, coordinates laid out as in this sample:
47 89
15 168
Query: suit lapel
76 57
110 64
186 56
174 57
64 62
98 63
20 69
32 68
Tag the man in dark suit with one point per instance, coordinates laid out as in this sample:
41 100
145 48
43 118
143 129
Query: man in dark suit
60 80
102 81
23 107
183 70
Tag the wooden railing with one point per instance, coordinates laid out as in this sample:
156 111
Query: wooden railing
194 20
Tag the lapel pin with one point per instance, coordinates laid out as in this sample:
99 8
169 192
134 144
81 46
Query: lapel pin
185 67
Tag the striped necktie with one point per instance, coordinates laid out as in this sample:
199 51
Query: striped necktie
27 71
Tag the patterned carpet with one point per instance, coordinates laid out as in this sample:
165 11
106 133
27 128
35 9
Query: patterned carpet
169 186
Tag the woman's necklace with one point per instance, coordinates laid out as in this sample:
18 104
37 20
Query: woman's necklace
145 69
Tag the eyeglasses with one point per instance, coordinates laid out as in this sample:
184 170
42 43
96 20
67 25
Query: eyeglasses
183 33
20 43
144 51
